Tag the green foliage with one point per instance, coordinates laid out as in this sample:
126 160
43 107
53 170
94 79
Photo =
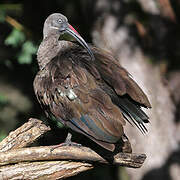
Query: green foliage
3 100
16 8
15 38
18 39
2 135
2 16
28 50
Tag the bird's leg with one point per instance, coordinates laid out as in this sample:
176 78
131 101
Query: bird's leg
67 142
68 138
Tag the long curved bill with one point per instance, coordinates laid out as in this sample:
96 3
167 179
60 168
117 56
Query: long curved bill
70 30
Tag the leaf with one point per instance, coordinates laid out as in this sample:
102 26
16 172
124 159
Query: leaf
2 16
28 50
3 99
15 38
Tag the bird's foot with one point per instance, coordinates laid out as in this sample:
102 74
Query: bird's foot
67 142
70 144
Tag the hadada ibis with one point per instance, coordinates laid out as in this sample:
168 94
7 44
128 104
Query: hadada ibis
84 87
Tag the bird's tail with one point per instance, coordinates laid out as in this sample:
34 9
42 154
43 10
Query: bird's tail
133 113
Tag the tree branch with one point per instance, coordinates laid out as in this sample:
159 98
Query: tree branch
19 162
24 135
44 153
43 170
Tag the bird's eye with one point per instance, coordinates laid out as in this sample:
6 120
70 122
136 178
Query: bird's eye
59 20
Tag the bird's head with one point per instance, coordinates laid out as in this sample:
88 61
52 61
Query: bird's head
58 24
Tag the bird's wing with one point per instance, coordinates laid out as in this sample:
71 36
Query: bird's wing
71 94
119 85
117 77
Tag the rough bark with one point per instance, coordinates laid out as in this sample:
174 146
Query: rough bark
47 162
24 135
69 153
43 170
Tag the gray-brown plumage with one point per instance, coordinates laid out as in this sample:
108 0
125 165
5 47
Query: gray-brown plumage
84 87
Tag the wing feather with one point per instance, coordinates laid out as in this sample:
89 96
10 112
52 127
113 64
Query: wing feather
71 90
89 110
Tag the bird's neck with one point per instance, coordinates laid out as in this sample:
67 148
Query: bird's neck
48 49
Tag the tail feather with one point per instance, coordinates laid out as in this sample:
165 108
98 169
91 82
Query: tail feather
133 122
133 114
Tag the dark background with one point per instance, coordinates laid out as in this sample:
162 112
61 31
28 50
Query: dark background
21 23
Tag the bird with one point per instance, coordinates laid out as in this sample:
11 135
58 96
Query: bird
84 87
